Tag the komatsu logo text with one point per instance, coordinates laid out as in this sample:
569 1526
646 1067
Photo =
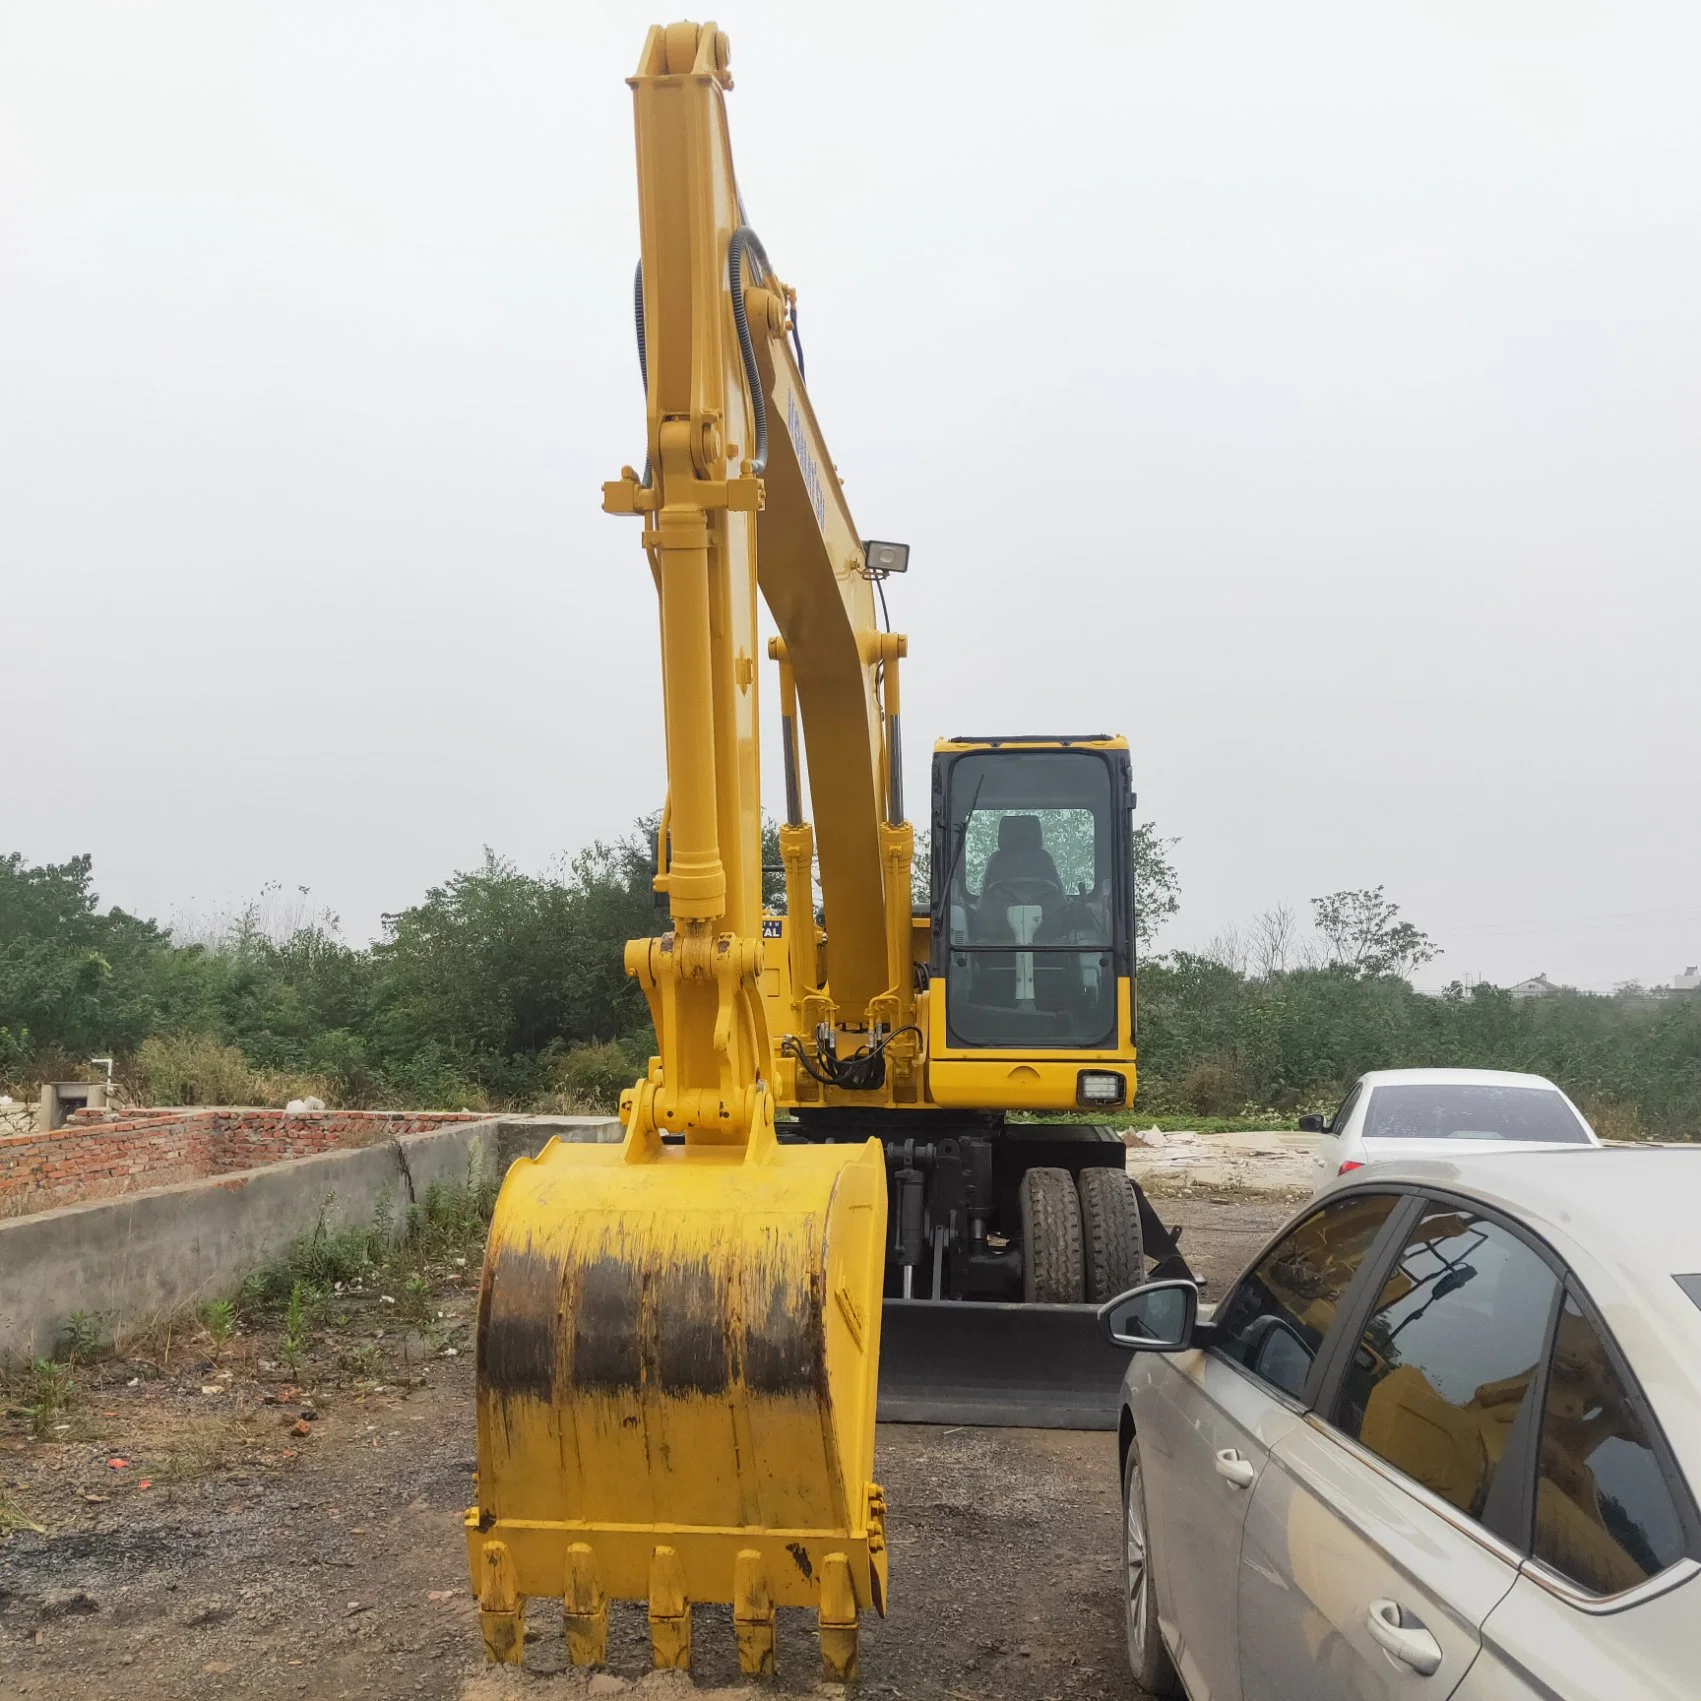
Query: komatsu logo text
806 461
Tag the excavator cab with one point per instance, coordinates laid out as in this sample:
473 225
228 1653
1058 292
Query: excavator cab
1031 944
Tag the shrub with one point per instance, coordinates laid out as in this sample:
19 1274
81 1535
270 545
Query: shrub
1216 1087
194 1068
595 1076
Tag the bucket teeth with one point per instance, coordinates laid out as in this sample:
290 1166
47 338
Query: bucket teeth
670 1612
501 1610
838 1621
753 1615
585 1607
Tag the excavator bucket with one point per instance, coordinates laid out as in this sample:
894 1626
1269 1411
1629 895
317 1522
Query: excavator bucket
677 1362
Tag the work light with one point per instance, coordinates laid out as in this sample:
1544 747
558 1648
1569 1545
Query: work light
1100 1087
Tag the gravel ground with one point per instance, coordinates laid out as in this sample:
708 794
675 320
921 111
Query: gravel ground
263 1561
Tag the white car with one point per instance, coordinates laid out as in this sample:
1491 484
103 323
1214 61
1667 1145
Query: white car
1442 1439
1443 1113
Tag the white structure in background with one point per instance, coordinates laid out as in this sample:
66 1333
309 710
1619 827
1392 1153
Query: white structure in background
1689 980
1537 986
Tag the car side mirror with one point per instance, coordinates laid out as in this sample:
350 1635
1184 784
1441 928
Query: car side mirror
1156 1317
1311 1125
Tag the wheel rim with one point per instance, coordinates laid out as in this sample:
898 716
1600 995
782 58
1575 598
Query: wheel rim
1136 1593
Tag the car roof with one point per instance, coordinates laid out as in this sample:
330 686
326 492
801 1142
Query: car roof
1455 1078
1626 1220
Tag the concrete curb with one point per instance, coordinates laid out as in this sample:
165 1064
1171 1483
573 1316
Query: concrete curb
150 1253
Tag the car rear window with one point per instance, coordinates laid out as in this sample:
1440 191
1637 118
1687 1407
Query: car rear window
1417 1110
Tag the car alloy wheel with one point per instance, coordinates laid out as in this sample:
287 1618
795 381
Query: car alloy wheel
1148 1659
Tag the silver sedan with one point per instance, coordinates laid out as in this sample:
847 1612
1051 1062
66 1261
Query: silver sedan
1442 1439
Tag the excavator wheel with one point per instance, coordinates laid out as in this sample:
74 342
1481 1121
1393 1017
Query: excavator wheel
1052 1270
1110 1226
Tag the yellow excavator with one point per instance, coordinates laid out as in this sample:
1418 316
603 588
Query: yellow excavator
831 1192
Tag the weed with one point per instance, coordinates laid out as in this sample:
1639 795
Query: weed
53 1389
83 1338
366 1363
319 1260
219 1316
416 1299
297 1337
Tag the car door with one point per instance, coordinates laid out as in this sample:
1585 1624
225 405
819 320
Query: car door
1382 1532
1207 1419
1329 1150
1608 1602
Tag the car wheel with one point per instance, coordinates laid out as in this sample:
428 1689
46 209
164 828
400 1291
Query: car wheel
1148 1658
1051 1238
1110 1227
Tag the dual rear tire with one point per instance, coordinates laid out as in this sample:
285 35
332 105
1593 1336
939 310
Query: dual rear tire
1080 1241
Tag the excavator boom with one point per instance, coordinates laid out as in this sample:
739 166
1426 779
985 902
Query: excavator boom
679 1337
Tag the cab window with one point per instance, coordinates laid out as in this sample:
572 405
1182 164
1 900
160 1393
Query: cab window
1275 1320
1031 893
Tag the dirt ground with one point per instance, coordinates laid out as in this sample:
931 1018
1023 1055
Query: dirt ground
201 1544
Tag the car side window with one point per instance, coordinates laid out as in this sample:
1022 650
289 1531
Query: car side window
1346 1107
1605 1516
1275 1320
1450 1353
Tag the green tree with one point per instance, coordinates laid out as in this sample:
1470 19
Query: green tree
1365 934
1157 887
74 980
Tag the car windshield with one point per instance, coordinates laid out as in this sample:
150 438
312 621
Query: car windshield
1420 1110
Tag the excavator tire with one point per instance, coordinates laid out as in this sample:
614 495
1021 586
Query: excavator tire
1052 1269
1110 1228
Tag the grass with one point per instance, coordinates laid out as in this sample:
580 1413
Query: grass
14 1518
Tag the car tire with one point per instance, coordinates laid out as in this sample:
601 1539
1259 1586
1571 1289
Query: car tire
1052 1272
1148 1658
1110 1233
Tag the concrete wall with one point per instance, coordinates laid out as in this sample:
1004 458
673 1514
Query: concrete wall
145 1255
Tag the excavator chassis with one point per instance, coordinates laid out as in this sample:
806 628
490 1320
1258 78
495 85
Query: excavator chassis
997 1362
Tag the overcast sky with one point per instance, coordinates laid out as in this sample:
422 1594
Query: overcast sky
1311 392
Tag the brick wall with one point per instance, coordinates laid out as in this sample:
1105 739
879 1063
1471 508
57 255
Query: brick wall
97 1155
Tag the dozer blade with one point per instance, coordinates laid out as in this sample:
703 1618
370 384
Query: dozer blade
1001 1366
676 1379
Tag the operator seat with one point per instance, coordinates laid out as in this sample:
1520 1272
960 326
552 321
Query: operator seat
1021 854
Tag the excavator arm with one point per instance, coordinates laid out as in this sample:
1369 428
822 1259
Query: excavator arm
679 1337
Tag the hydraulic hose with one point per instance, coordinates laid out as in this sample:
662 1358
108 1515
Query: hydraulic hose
643 352
742 238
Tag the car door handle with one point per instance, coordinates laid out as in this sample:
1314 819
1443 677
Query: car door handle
1410 1644
1232 1468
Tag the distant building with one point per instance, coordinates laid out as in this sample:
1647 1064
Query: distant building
1689 980
1537 986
